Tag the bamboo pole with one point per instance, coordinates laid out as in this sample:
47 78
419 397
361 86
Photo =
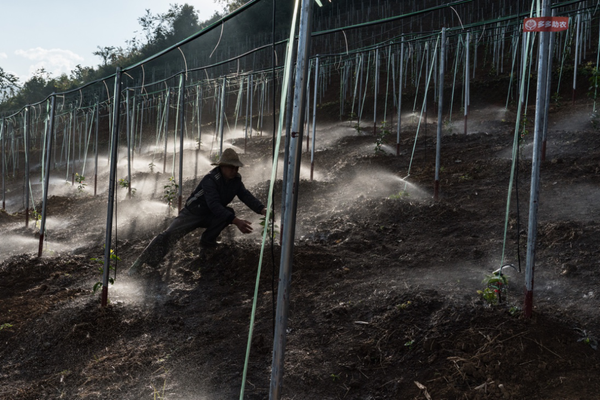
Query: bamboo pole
439 124
292 182
535 167
47 174
111 186
181 133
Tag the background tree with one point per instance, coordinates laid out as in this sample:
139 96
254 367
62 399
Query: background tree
9 84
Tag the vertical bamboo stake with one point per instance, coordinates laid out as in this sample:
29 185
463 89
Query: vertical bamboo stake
292 182
47 174
248 90
400 79
548 89
181 133
466 104
26 129
576 58
438 149
535 167
222 115
314 124
376 91
96 148
128 136
200 103
166 128
111 186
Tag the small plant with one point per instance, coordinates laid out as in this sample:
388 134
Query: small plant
448 127
401 194
37 218
383 132
496 284
358 128
335 377
465 177
587 338
514 311
272 231
151 166
409 344
5 326
113 257
80 179
403 306
556 99
594 81
170 192
124 183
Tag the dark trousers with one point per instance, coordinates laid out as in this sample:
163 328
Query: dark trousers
183 224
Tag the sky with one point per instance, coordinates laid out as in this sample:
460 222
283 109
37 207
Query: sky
58 35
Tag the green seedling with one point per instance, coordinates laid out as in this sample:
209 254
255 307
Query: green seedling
5 326
151 166
335 377
403 306
401 194
409 344
556 99
170 192
80 179
495 290
587 338
383 132
38 219
272 231
113 257
124 183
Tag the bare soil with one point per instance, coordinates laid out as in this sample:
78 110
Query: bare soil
384 301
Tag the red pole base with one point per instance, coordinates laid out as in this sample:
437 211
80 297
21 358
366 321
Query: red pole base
528 310
436 190
312 169
41 247
180 201
104 301
397 149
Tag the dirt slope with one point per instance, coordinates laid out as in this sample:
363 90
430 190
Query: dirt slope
384 292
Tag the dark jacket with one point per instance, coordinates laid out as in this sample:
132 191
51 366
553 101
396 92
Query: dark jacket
214 193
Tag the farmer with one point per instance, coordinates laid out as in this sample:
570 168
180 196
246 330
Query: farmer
205 208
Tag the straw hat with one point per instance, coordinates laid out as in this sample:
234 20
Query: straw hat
229 157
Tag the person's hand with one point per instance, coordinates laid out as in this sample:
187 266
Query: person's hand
264 212
243 225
